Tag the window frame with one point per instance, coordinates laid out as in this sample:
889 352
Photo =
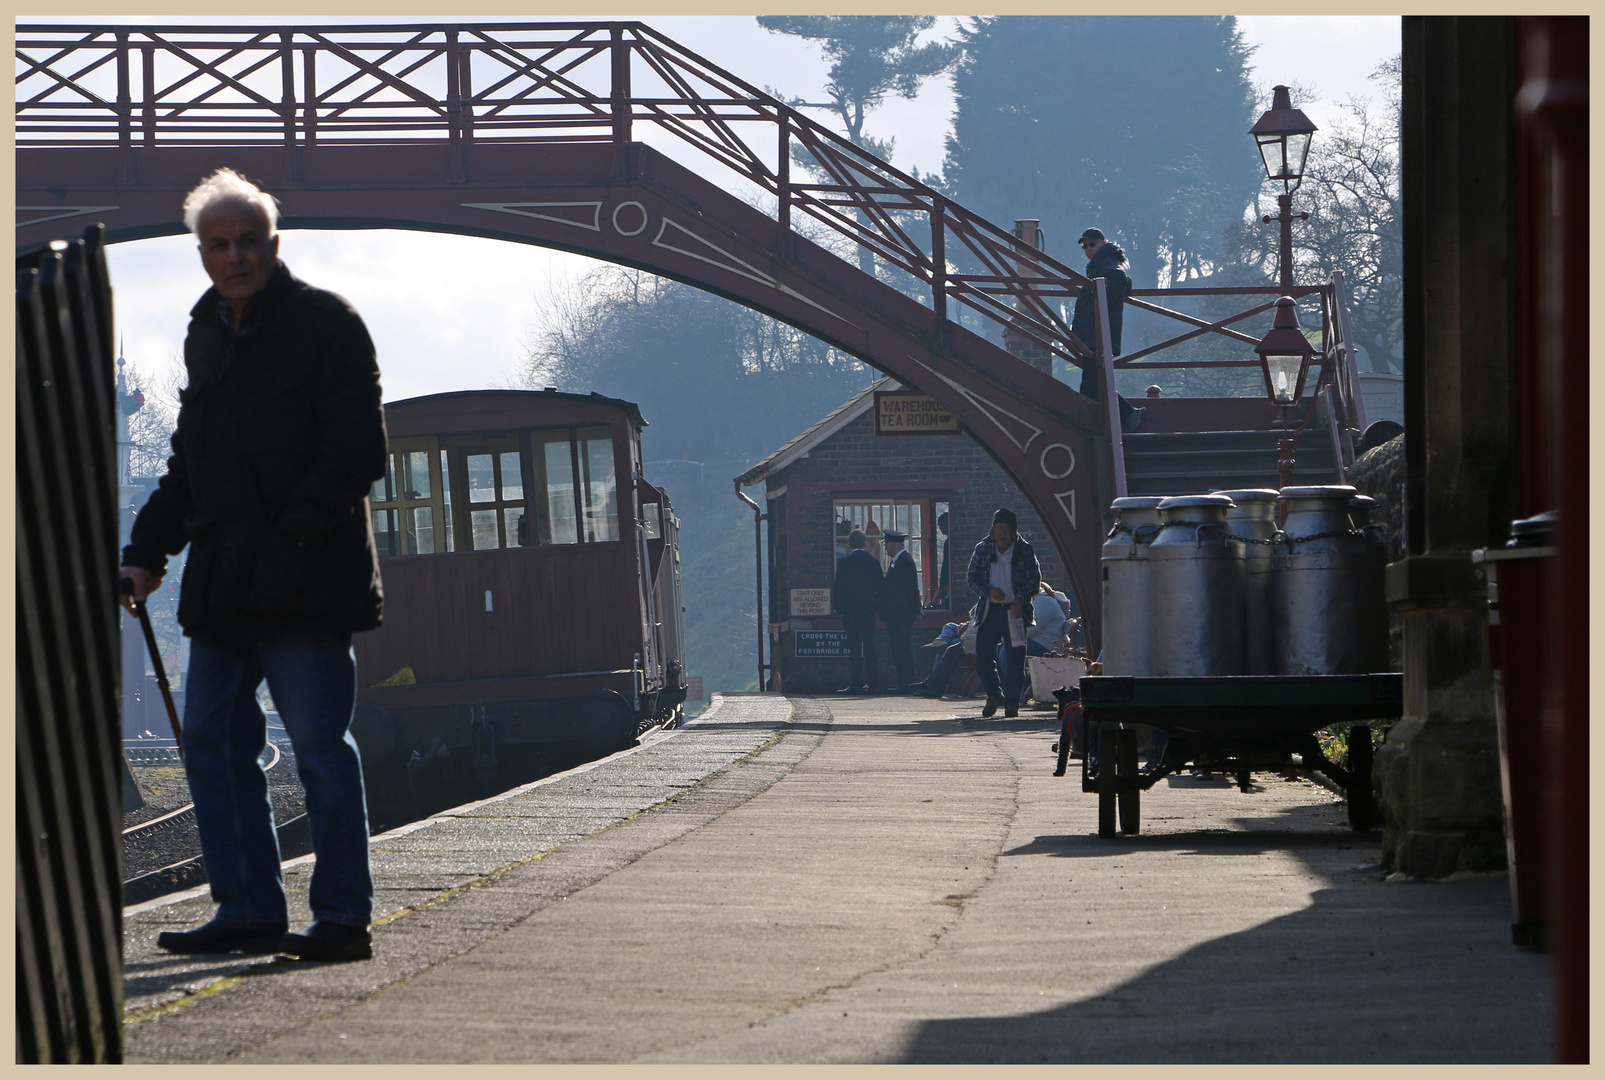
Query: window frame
400 504
929 550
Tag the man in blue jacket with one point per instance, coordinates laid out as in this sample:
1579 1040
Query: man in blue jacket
1004 573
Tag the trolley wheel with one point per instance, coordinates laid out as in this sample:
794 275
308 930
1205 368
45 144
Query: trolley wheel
1359 789
1107 755
1130 794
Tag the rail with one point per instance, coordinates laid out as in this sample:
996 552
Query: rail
185 815
141 87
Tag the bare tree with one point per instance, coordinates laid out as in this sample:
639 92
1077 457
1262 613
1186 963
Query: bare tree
152 415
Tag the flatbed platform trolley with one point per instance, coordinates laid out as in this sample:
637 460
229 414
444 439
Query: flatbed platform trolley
1231 724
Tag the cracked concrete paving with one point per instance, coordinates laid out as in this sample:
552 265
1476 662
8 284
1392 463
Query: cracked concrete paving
895 880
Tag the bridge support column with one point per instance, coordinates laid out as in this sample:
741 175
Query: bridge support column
1438 771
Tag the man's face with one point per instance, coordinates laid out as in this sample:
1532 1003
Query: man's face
1089 248
1002 535
236 250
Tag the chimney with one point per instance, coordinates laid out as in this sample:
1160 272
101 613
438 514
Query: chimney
1029 230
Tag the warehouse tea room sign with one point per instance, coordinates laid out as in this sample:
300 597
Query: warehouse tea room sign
903 412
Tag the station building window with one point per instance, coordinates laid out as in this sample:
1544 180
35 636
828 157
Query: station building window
495 475
914 516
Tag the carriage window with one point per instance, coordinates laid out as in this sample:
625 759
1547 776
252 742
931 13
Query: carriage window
385 537
489 467
405 510
651 521
481 478
384 491
415 474
598 483
512 478
421 530
556 456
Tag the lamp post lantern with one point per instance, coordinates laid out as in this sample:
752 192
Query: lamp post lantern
1283 137
1284 356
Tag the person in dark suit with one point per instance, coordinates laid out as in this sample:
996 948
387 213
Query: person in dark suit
900 603
857 595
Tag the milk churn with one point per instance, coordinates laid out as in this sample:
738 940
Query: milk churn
1196 589
1326 620
1253 522
1125 586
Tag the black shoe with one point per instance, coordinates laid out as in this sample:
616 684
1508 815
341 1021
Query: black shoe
330 941
849 690
223 936
1011 714
990 709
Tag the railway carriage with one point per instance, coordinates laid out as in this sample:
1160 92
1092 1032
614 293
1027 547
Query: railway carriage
532 596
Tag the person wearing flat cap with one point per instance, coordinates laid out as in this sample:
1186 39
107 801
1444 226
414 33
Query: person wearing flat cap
1107 261
900 603
1005 574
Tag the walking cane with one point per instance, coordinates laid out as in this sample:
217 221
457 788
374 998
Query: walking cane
156 660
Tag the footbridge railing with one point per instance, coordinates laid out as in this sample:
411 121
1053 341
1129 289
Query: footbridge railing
601 82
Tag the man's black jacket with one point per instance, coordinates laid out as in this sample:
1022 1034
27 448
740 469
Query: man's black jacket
1106 264
280 435
900 593
858 584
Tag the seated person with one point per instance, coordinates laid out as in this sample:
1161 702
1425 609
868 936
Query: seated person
961 639
1052 610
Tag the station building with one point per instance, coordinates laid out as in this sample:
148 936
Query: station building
840 475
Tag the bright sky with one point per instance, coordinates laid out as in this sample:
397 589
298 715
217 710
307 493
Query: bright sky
434 335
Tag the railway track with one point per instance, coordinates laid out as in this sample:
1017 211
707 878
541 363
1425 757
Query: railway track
184 816
174 831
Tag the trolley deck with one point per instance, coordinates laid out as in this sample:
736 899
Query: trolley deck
1232 724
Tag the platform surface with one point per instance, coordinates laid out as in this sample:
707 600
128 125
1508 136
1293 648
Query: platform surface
868 880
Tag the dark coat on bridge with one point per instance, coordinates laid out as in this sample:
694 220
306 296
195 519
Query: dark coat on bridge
280 435
1106 264
858 584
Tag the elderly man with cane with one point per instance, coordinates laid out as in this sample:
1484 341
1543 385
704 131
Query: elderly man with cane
280 435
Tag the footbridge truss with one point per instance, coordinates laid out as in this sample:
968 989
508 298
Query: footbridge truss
605 139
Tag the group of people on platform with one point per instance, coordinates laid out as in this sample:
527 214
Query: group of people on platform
1016 614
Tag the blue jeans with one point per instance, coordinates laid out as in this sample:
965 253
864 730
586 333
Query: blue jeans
312 677
951 660
991 638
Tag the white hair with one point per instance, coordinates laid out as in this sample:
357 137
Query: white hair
226 185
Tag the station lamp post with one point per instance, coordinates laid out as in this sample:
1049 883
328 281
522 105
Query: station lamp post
1283 137
1284 356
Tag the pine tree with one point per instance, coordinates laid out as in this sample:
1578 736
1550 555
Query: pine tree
1135 125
